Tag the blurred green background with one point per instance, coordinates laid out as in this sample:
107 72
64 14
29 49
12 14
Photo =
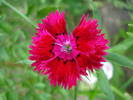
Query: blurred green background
18 20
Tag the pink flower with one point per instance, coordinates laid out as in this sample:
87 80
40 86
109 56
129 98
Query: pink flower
63 57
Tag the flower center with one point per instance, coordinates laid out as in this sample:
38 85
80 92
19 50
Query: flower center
67 47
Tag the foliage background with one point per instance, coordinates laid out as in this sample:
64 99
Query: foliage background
19 82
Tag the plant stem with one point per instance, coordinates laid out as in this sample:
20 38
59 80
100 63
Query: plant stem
18 12
75 93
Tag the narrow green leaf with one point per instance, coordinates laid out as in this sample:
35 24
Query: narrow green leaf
120 59
123 46
104 85
117 92
127 83
130 25
19 13
121 94
130 34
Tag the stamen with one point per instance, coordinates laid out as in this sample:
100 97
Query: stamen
59 44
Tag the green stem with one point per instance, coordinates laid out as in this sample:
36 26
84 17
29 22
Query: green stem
18 12
75 93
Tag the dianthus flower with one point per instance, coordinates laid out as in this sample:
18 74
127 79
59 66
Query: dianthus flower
65 57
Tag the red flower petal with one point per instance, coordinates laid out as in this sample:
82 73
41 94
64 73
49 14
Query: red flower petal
42 47
89 62
90 43
54 23
87 29
65 74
